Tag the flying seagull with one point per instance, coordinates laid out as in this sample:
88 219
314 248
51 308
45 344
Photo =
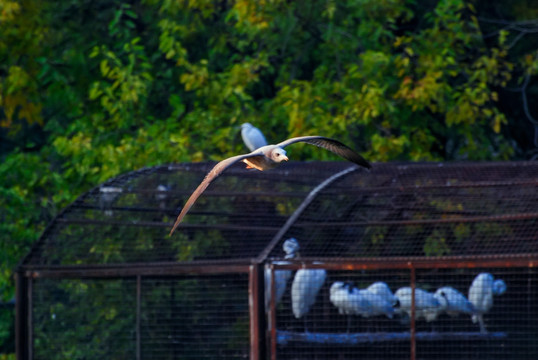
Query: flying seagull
268 157
252 136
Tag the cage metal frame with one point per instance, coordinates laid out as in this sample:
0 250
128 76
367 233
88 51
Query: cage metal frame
262 339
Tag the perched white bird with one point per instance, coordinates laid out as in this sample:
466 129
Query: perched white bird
456 302
353 301
252 137
481 294
304 289
427 306
382 289
107 195
267 157
348 300
290 246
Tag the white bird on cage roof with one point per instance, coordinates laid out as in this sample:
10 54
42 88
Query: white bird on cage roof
291 247
481 294
304 290
456 302
268 157
428 306
252 136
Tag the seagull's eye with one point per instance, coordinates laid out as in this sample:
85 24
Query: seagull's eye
277 154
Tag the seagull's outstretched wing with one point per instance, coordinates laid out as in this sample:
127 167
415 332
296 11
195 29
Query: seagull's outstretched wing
211 175
332 145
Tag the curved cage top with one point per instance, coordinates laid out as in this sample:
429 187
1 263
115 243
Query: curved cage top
334 209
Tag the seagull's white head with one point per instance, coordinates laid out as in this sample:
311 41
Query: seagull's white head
278 155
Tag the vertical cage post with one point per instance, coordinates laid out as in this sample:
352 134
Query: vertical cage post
272 313
138 308
22 339
413 310
256 310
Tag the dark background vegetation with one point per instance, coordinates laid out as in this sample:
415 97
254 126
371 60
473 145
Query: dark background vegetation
90 89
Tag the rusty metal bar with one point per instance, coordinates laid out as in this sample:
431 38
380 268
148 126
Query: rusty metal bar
413 329
309 198
472 219
138 317
134 270
460 262
30 318
272 314
256 312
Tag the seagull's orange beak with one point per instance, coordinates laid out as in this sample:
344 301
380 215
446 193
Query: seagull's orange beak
284 158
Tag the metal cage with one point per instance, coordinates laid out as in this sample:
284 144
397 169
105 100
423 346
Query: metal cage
105 281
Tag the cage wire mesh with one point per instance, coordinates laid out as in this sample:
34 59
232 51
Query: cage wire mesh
499 322
398 213
423 210
336 322
188 317
84 318
204 317
459 313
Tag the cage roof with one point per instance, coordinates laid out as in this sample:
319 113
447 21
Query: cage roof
334 209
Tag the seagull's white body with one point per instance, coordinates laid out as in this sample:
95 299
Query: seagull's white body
268 157
481 294
291 246
277 155
304 289
457 303
427 306
252 137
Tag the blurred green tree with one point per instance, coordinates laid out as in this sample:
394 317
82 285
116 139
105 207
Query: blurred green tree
93 88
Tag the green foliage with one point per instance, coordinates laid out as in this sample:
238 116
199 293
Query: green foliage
94 88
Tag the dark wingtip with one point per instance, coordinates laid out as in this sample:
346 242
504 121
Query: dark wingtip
363 162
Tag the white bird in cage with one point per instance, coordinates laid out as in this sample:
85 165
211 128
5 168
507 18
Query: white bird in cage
304 290
161 195
291 247
481 294
107 196
382 289
347 299
427 305
456 302
252 137
353 301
